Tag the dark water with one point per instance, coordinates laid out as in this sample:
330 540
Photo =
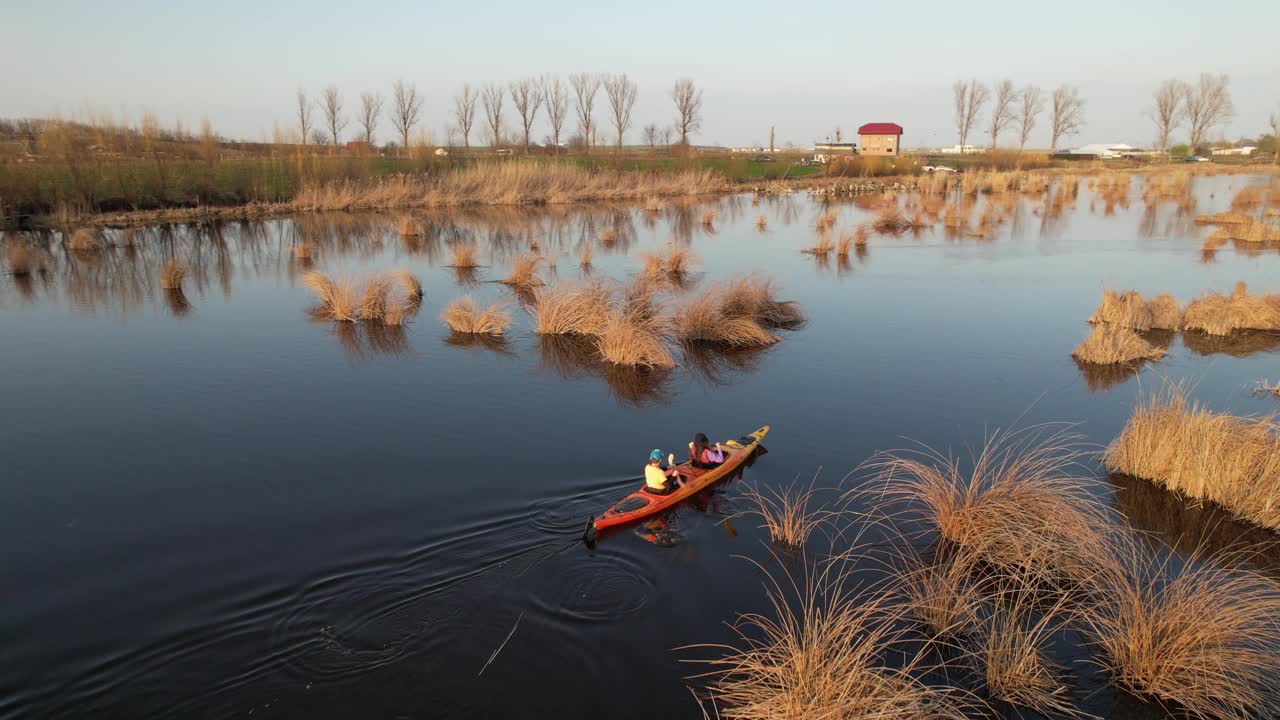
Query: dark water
214 506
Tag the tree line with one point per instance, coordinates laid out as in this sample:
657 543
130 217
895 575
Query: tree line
549 94
1017 108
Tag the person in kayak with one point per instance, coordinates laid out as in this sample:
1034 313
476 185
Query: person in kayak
657 480
702 455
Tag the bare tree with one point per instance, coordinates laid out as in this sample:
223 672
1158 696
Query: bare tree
688 100
1207 104
622 98
651 132
556 98
370 110
304 114
1002 112
585 86
1032 106
665 134
526 95
492 97
1275 137
331 105
771 138
1168 111
464 112
1066 116
406 111
969 99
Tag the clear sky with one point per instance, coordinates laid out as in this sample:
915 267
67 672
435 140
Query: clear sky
803 67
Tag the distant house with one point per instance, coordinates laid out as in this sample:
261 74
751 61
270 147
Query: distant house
1106 151
1246 150
823 152
960 150
880 138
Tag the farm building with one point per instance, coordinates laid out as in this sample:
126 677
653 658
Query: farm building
880 138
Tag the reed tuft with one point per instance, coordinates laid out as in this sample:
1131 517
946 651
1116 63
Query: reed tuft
462 316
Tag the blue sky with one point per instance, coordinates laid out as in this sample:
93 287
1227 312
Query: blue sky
805 68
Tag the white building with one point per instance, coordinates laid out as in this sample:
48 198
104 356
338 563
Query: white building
960 150
1246 150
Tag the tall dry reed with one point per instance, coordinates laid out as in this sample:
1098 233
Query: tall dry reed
1218 314
1115 345
172 275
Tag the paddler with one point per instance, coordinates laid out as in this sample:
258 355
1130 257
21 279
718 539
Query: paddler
661 481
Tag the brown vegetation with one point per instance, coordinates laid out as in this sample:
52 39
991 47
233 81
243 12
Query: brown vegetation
174 271
1115 345
671 266
409 227
335 300
715 316
571 310
511 183
631 339
1125 309
462 316
1218 314
1232 461
19 256
891 221
85 240
824 245
523 273
464 255
786 513
762 222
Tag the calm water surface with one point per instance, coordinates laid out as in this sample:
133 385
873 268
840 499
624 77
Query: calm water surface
214 506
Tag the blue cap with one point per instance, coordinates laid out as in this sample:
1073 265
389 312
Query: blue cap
656 455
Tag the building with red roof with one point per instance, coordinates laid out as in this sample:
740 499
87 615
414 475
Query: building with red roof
880 138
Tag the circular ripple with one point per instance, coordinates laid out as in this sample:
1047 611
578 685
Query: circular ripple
601 587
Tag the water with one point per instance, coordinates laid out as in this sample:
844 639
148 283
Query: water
217 507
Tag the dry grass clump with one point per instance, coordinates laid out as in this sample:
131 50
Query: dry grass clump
1020 507
670 266
1012 653
822 654
891 221
787 514
1202 638
464 255
825 221
172 275
1232 461
345 300
462 316
755 296
85 240
858 238
762 222
373 300
1125 309
1224 218
571 310
713 317
1265 388
608 236
1166 312
584 259
629 339
1254 232
824 245
1218 314
523 273
335 299
1115 345
709 219
653 205
942 594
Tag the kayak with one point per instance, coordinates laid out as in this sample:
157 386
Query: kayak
642 504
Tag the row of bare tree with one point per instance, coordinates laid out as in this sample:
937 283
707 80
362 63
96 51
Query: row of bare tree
528 96
1202 106
1017 108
